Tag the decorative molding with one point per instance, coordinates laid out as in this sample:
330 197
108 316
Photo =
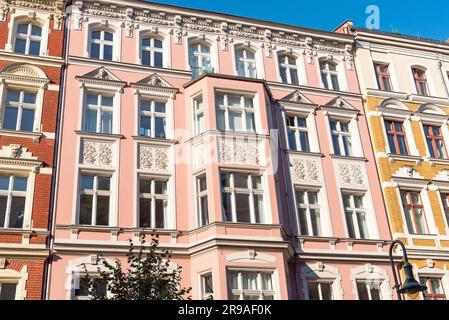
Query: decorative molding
351 174
349 57
96 153
2 263
153 158
16 155
443 175
199 157
156 84
407 172
250 255
238 151
101 77
306 170
54 6
296 97
24 73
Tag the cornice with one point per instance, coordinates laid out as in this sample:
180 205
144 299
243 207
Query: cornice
54 8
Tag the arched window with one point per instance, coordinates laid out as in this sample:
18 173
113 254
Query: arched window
419 76
245 60
288 69
28 39
329 75
101 44
199 58
152 52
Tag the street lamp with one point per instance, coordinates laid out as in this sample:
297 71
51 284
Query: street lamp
410 285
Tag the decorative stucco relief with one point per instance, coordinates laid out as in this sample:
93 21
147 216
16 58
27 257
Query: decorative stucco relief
306 170
239 152
351 174
97 153
153 158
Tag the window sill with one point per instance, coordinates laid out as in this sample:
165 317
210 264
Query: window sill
304 153
435 161
427 99
36 136
22 231
80 227
157 140
392 157
99 135
354 158
387 94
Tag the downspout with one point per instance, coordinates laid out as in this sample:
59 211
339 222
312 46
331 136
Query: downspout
56 158
440 67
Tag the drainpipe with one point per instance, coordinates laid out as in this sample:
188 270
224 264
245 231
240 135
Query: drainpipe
440 67
56 158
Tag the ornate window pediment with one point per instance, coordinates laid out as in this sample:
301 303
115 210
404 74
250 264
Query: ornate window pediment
15 155
340 104
24 74
101 77
297 100
155 84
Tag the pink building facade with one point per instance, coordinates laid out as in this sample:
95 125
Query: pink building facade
242 142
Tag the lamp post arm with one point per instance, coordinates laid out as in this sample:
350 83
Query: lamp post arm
393 267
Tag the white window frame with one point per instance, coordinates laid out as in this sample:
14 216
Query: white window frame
241 108
20 16
328 75
198 109
153 197
99 109
283 63
9 194
259 291
249 191
95 193
369 273
354 212
153 115
28 37
152 49
102 42
297 129
340 134
17 277
321 272
201 285
199 195
306 206
157 33
20 106
260 73
97 24
192 42
319 282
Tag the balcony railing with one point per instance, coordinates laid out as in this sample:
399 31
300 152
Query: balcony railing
197 71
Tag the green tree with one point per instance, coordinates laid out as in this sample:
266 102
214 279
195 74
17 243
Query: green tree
146 277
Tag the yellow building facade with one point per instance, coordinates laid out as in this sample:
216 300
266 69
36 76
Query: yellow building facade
405 84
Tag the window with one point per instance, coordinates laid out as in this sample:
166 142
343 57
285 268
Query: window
298 136
19 110
383 76
207 286
199 58
368 290
308 213
341 137
82 293
250 286
152 119
420 82
94 200
98 113
319 290
8 291
288 69
235 113
396 136
101 45
414 212
329 75
13 192
435 142
153 199
198 114
434 288
245 61
445 201
152 52
203 211
356 216
242 197
28 39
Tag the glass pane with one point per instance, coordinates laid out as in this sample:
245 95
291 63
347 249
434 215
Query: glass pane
324 80
95 50
292 140
8 291
257 182
347 145
241 69
160 213
204 219
36 31
363 227
159 127
335 85
241 181
144 186
234 101
227 207
221 120
3 204
302 216
35 47
146 58
22 28
402 145
17 212
108 36
20 46
146 42
87 182
107 101
96 35
29 97
242 208
249 103
202 184
107 53
145 213
313 197
159 107
235 120
225 180
375 293
294 76
145 105
266 282
326 291
90 120
20 184
313 291
358 201
160 187
436 286
205 49
258 208
104 183
145 126
207 283
157 43
102 210
27 122
283 74
408 220
362 291
250 122
420 221
158 59
350 224
336 144
10 118
250 281
315 220
304 139
85 209
13 96
106 122
252 70
4 182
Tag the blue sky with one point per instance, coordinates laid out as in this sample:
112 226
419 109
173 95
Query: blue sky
426 19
